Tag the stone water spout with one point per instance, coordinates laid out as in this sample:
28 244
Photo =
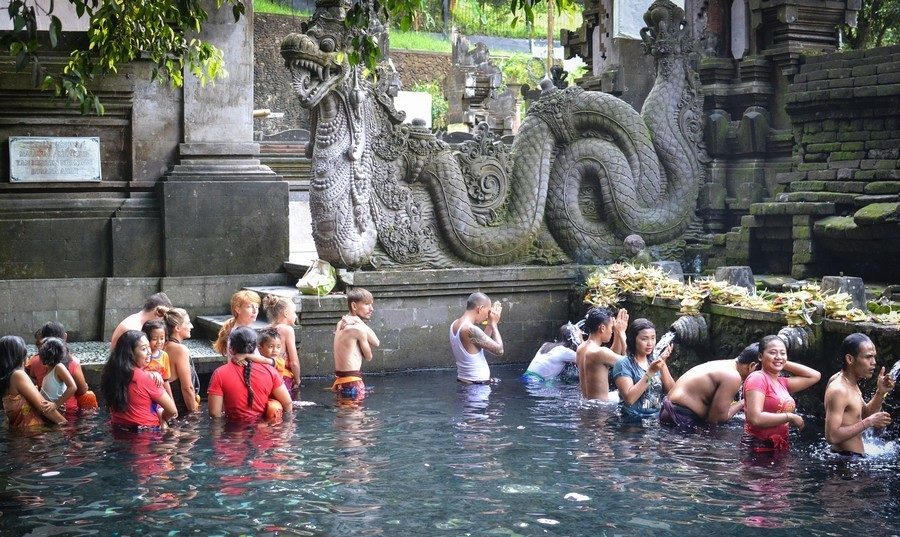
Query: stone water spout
585 170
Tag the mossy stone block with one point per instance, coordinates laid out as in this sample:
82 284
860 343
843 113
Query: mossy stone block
877 213
883 187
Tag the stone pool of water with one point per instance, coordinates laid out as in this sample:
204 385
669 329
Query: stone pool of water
426 456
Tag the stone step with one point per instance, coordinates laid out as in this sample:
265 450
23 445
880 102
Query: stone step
208 326
96 352
280 290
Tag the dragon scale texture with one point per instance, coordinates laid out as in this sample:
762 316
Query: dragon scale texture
585 166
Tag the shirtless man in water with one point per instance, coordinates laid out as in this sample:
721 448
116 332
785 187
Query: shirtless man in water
705 393
154 309
592 358
847 415
353 342
468 342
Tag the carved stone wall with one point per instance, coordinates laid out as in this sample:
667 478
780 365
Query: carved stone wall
420 66
839 208
271 83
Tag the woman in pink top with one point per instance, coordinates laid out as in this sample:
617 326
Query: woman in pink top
768 406
136 398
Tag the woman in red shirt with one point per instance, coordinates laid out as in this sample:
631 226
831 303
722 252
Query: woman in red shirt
240 390
136 400
768 406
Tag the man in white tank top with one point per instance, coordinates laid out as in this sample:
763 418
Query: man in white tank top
468 342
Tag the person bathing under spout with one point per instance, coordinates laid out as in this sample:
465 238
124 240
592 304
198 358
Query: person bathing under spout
847 415
353 342
468 342
593 359
705 393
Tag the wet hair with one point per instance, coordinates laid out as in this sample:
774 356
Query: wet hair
635 328
51 329
595 318
749 355
119 368
237 300
53 351
267 335
275 306
156 301
568 335
150 326
476 299
243 340
852 345
174 318
359 294
766 341
12 356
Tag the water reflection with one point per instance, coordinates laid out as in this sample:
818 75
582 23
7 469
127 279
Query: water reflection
425 456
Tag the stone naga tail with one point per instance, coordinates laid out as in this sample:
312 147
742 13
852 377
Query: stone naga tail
584 171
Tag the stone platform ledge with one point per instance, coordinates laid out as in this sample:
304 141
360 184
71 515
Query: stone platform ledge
463 281
877 331
93 354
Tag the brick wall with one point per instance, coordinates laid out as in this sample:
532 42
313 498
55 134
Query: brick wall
421 67
840 211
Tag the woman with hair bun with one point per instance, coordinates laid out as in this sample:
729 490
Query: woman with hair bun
282 315
183 380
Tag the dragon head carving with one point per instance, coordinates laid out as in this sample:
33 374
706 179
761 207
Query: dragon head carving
314 56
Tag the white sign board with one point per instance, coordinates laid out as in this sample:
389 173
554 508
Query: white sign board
46 159
416 104
628 17
65 11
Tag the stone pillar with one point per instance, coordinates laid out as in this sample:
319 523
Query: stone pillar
223 211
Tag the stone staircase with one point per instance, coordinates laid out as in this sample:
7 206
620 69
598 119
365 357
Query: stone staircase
287 159
838 208
316 318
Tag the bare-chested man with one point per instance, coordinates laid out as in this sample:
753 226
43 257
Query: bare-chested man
592 358
468 342
847 415
154 309
705 393
353 342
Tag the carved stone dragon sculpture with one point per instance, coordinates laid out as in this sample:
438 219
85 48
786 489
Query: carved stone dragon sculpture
585 167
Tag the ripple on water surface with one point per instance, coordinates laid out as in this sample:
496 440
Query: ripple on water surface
426 456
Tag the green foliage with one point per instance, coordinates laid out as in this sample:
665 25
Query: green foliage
494 18
268 6
418 41
119 32
439 105
522 68
878 24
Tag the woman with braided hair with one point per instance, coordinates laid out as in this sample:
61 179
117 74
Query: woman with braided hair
241 389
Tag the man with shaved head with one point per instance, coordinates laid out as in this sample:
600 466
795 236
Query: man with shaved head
468 341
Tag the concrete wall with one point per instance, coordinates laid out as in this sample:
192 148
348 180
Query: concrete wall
414 310
731 329
90 308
